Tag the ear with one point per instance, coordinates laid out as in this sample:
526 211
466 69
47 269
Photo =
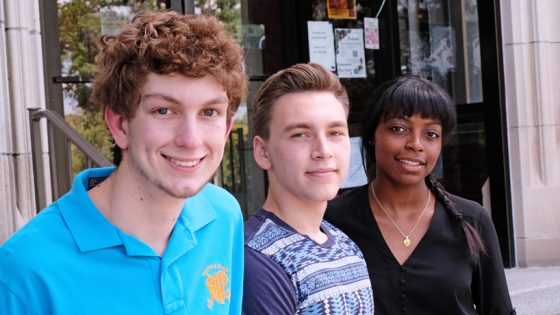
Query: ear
118 126
229 126
260 153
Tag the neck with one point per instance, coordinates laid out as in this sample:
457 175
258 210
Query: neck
400 200
304 217
135 211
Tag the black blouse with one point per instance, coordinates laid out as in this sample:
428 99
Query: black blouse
438 277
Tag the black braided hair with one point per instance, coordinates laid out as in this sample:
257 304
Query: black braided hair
475 243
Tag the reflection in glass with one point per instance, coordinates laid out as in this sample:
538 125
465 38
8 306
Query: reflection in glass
81 23
231 174
439 41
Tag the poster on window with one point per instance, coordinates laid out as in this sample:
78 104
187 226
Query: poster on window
341 9
321 44
350 56
371 32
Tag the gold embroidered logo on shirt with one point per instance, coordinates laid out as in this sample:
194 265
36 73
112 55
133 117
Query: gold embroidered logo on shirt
216 282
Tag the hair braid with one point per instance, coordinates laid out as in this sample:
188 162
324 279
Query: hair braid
476 246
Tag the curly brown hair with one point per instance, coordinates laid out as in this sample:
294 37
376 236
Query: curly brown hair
164 43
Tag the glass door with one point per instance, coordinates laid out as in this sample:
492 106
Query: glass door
456 44
80 25
440 41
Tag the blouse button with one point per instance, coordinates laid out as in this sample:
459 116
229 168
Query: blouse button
403 296
403 309
403 281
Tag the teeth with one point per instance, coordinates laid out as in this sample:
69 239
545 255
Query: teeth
184 163
412 163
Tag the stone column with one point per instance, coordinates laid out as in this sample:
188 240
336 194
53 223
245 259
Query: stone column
21 87
531 44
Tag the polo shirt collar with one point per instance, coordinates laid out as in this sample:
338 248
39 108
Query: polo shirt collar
92 231
89 228
197 212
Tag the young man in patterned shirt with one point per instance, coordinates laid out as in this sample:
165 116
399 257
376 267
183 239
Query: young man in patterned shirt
296 263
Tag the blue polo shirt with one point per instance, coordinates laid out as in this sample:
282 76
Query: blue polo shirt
71 260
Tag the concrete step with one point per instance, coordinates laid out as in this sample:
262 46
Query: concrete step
535 290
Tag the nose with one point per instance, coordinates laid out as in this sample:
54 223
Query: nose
322 149
414 142
188 135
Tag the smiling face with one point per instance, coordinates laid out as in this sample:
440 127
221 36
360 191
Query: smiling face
407 149
307 151
175 141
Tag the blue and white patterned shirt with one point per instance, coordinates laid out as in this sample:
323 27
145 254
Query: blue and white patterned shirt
287 272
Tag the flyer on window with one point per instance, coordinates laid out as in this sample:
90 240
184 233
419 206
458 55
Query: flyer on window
321 44
341 9
350 56
371 31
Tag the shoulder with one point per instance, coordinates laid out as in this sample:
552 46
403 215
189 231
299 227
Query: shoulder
349 196
260 264
252 226
350 209
46 230
262 232
44 239
336 232
466 207
220 199
212 191
267 288
261 269
341 240
348 200
471 210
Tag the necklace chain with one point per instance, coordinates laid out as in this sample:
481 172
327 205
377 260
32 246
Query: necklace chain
406 240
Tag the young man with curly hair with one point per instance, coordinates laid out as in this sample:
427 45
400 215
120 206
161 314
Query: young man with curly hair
126 240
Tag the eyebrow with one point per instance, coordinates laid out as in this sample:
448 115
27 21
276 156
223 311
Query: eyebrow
165 97
431 122
291 127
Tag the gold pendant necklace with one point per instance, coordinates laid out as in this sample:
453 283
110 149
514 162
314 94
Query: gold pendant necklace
406 241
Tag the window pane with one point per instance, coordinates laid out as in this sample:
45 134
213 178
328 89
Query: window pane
80 24
439 41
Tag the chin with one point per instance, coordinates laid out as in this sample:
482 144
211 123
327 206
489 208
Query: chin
183 193
326 196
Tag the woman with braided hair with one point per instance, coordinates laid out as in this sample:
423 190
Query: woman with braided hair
427 251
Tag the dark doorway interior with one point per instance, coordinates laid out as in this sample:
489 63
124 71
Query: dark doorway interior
438 40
